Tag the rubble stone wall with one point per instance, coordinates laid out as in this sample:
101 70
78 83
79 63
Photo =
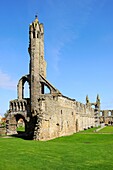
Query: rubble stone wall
62 116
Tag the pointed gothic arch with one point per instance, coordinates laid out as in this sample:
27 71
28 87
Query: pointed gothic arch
21 85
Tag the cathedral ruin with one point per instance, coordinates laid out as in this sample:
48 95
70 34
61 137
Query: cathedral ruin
47 115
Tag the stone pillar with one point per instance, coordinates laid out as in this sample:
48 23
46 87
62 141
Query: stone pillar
11 125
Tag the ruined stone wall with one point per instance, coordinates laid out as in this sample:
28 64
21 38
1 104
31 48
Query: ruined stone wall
62 116
106 116
2 131
85 117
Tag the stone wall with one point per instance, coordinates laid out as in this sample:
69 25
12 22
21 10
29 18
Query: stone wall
106 117
2 130
62 116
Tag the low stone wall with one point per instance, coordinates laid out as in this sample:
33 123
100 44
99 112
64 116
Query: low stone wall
2 130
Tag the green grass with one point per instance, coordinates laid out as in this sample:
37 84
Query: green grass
76 152
91 130
107 129
21 129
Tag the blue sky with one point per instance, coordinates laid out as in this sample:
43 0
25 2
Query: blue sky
78 47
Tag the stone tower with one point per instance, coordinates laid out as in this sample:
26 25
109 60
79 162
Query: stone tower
37 61
46 115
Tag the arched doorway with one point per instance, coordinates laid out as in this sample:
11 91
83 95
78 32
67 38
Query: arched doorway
20 123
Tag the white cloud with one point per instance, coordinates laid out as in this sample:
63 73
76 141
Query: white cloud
6 81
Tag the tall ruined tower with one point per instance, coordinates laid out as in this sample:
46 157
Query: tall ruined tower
46 114
37 61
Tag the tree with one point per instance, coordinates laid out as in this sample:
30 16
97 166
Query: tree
6 114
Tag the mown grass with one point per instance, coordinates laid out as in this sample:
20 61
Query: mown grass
21 129
91 130
107 129
76 152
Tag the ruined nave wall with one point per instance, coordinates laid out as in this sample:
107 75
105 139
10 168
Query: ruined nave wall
61 116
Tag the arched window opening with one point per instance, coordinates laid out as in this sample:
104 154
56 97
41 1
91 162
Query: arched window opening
26 90
109 113
93 106
100 113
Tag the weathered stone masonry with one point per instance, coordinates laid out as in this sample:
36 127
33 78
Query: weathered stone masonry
51 115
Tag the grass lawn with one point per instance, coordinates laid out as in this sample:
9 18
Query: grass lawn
21 129
107 129
76 152
91 130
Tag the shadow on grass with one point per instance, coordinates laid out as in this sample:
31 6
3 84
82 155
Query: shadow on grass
23 135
